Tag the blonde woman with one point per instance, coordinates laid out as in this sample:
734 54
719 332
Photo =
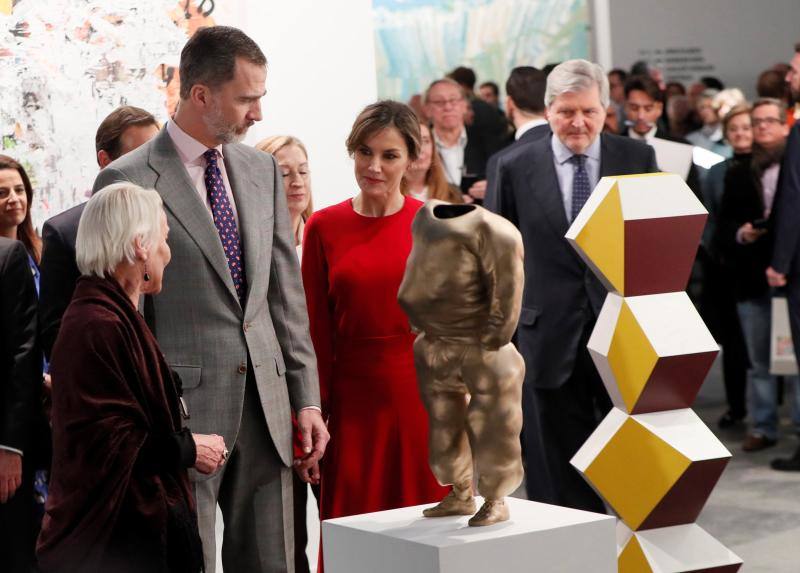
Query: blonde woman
292 158
425 178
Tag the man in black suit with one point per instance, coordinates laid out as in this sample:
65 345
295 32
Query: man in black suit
20 383
525 109
785 268
466 131
123 130
644 105
543 186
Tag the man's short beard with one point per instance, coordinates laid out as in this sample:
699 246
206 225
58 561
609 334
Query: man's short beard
222 131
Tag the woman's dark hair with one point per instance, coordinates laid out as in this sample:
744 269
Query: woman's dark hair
381 115
25 232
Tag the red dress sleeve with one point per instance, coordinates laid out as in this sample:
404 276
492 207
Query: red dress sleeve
315 281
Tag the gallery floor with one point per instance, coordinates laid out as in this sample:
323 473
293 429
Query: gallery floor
754 510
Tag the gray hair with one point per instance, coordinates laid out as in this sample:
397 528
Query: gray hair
113 219
576 76
446 81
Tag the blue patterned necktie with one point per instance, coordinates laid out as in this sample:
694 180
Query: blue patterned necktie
580 184
224 221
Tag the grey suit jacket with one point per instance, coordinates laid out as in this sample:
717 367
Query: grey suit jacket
562 297
205 334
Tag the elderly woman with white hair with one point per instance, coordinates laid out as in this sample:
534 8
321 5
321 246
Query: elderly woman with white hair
120 498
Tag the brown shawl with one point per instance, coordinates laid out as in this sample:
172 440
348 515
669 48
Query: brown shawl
120 498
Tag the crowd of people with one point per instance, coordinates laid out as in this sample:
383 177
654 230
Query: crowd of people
194 335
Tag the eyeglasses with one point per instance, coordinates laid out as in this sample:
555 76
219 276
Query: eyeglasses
757 121
445 102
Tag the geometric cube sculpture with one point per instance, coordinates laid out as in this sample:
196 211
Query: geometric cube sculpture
651 459
654 470
653 352
639 233
678 549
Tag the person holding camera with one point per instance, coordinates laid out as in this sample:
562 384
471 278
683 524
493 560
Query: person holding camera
745 242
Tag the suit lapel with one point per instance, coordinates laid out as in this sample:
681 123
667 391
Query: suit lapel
543 185
180 197
246 192
610 161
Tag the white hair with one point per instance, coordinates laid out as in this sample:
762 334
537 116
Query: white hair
113 219
576 76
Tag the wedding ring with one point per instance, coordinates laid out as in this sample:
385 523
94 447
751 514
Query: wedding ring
225 454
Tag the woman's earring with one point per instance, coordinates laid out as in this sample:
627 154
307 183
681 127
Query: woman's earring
146 274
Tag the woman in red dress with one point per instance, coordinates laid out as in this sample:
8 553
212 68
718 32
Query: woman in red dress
354 257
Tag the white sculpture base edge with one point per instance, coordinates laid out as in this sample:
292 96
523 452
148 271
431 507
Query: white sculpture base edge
538 537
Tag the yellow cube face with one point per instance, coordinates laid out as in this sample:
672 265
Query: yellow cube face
639 233
653 352
635 471
632 559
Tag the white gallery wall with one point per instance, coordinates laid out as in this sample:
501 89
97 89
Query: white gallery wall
321 73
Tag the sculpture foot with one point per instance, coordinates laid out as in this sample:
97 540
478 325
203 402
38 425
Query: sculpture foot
452 505
491 512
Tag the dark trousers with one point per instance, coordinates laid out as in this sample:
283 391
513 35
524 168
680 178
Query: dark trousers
300 489
567 417
18 526
718 309
793 302
538 482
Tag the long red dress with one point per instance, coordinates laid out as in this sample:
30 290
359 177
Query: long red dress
377 458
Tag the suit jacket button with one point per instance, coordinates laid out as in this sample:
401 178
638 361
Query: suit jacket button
246 326
242 368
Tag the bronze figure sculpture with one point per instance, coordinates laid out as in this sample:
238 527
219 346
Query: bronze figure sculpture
462 292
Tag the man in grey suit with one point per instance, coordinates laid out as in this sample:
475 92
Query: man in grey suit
231 318
543 186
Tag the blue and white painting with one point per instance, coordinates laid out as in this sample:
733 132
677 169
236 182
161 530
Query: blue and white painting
418 41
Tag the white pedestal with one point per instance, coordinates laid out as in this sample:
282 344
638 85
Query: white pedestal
538 537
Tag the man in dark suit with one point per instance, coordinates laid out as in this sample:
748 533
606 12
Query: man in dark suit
466 131
644 105
544 184
785 268
123 130
525 89
20 381
525 108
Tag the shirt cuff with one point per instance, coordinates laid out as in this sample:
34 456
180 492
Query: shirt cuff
317 408
10 449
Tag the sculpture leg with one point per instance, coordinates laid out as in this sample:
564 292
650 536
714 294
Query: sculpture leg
494 380
445 399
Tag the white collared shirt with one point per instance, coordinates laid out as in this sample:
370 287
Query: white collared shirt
650 135
452 157
191 153
769 184
527 126
565 170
